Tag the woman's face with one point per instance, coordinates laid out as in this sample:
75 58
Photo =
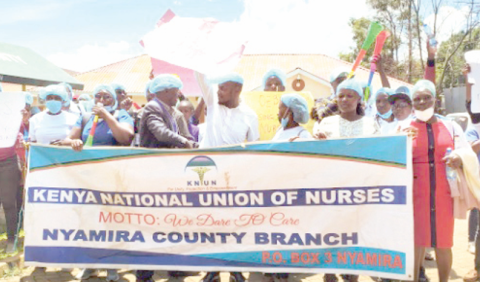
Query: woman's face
348 100
282 111
383 106
401 109
105 98
423 100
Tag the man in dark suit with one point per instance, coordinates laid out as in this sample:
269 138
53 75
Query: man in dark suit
159 127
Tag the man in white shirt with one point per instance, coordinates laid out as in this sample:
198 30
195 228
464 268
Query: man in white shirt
229 120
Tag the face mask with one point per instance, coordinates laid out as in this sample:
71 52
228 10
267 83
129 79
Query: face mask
424 115
284 121
54 106
386 115
109 109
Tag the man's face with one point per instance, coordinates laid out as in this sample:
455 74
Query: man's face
169 96
273 83
228 91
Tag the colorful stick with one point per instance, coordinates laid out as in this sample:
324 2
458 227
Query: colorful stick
373 31
92 130
373 67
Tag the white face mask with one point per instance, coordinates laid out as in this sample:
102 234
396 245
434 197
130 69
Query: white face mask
424 115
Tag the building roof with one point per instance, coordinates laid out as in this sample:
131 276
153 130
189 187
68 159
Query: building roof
253 67
134 73
20 65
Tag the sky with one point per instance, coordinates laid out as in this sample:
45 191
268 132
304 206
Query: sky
82 35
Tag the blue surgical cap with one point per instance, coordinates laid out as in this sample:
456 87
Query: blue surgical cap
117 86
69 87
351 84
341 71
298 105
147 88
384 90
278 73
108 89
403 90
54 89
424 84
28 98
163 82
230 77
85 96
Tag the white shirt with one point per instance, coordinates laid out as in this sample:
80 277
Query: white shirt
297 131
227 126
45 128
74 109
201 131
338 127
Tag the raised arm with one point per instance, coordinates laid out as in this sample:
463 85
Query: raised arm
381 71
430 68
207 90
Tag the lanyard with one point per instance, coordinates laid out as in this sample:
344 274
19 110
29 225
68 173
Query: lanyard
171 120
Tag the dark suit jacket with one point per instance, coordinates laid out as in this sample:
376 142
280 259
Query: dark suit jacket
156 130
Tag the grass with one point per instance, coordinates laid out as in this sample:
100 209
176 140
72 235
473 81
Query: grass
3 238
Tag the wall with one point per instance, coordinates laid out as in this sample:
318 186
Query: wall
455 99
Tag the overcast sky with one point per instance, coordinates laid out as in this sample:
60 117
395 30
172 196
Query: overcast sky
82 35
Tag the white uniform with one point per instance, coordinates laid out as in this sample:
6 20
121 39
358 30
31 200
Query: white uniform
226 126
45 128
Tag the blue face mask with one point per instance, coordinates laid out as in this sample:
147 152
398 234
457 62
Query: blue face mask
284 121
54 106
386 115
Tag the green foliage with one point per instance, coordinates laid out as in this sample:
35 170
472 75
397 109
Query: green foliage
453 69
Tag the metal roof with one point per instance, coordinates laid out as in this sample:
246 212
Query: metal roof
21 65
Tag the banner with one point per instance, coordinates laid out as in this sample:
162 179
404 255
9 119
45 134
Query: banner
204 45
11 103
331 206
265 104
473 59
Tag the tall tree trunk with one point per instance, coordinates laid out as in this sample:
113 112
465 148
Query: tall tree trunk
410 63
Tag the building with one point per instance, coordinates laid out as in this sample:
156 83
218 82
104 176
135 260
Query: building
311 69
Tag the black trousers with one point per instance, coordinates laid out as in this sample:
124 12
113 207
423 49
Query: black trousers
9 184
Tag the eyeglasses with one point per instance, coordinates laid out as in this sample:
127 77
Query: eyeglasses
401 105
104 97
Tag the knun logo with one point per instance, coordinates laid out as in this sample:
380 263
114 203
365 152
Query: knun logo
201 165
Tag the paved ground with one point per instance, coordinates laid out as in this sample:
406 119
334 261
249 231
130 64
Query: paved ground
462 263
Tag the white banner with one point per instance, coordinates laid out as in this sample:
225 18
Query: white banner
204 45
332 206
11 103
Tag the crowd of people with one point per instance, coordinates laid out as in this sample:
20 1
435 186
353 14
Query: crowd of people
170 121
